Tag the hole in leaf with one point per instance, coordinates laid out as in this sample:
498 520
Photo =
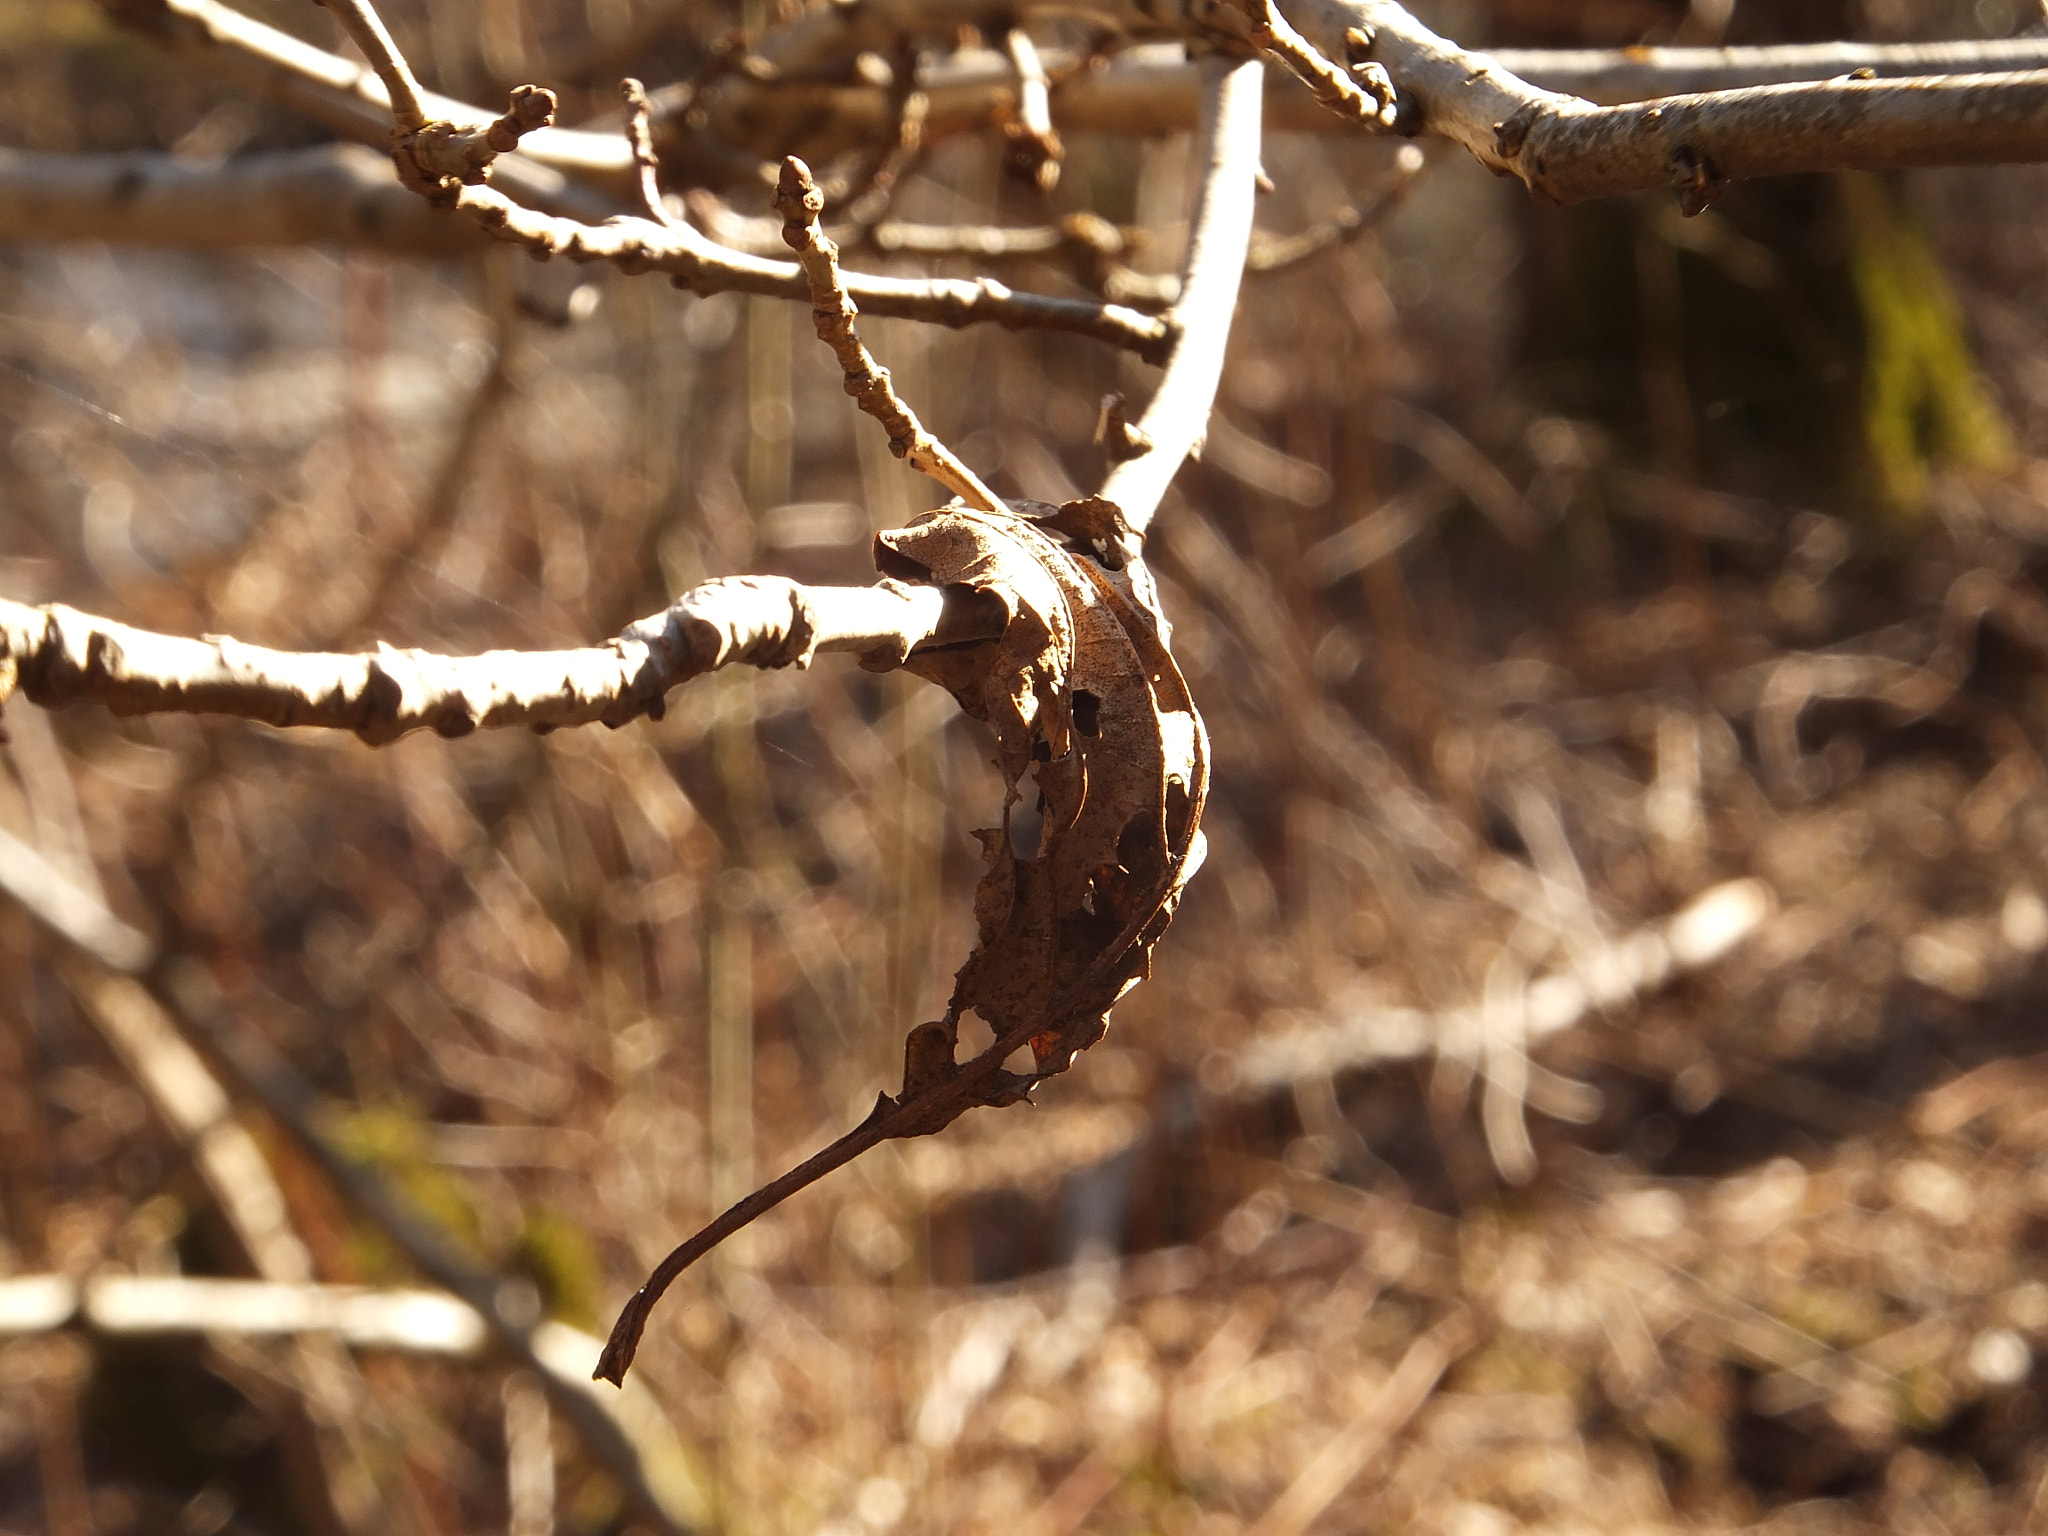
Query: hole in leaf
976 1035
1021 1060
1087 713
1026 821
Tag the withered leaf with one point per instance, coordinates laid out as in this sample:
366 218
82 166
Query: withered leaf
1084 697
1085 704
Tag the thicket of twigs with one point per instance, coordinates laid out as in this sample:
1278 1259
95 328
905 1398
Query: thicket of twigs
1592 1085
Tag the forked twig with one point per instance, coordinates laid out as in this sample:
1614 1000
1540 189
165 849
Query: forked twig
832 308
431 153
441 162
1365 94
365 28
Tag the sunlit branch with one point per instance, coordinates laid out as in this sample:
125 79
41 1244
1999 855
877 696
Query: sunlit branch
1147 89
1613 75
349 98
800 202
1569 150
639 245
646 164
56 655
1178 416
365 29
1364 96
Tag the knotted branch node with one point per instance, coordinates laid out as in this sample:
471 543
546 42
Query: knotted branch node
439 156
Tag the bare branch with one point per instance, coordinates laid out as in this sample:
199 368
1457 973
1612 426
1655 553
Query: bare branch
1083 240
423 152
432 151
463 153
335 194
1091 247
644 160
1612 75
1147 89
1151 89
696 263
352 100
1173 424
1569 150
800 202
869 191
76 915
1032 148
1346 224
429 1322
365 28
1367 100
57 655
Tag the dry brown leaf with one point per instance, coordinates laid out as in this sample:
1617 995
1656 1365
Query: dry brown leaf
1085 701
1090 713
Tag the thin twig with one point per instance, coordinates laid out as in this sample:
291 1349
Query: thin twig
873 186
1032 148
1364 95
1346 224
643 151
638 245
428 151
833 310
1178 416
349 98
703 267
365 28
